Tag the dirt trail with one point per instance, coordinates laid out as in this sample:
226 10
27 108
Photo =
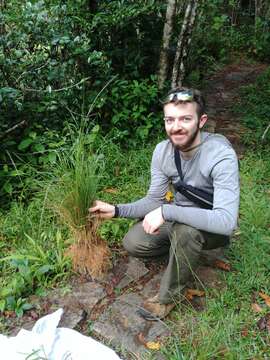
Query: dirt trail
222 92
110 306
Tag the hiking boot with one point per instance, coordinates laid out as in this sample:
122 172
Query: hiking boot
154 310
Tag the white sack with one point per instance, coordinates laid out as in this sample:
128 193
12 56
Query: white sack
46 341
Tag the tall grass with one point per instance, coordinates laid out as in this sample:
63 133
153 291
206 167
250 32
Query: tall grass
70 194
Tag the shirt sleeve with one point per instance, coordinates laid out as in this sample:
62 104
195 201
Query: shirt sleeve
222 219
155 195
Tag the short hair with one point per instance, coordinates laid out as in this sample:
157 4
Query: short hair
181 95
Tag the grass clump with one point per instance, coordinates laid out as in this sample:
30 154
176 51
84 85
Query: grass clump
70 194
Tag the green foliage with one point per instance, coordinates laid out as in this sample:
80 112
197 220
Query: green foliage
32 254
226 30
24 161
130 25
38 57
128 111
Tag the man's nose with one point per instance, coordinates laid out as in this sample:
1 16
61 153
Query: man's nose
177 124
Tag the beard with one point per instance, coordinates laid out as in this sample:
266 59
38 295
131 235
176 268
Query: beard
189 139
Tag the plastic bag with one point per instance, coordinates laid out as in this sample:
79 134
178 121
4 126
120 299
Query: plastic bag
47 342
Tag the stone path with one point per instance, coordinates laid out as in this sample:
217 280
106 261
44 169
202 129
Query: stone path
107 310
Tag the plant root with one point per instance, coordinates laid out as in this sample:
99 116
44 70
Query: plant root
90 254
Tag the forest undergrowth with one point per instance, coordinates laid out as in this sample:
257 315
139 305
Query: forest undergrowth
235 322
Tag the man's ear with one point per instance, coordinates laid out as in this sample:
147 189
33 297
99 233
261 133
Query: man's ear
203 120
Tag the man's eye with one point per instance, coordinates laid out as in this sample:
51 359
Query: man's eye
187 119
169 120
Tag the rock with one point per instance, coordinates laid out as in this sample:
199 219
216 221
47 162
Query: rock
135 270
72 318
123 327
84 296
152 287
88 295
77 303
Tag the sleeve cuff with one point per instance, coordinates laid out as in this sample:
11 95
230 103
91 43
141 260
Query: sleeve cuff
116 211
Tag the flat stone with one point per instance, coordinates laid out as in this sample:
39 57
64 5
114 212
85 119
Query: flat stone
27 325
72 318
123 327
151 288
77 303
88 295
135 270
84 296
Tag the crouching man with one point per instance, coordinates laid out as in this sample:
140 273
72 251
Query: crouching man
203 170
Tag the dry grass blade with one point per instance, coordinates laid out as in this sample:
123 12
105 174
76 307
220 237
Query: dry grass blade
265 297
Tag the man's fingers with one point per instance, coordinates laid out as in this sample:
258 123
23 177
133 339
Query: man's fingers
103 215
149 229
94 208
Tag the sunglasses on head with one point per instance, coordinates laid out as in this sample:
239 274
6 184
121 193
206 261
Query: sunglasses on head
185 95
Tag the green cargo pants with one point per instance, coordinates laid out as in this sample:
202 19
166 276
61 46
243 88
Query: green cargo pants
183 243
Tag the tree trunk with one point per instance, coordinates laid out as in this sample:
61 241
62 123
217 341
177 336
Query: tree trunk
167 33
183 43
259 5
260 12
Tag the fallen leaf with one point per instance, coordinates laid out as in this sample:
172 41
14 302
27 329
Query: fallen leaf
169 196
190 293
109 289
111 191
220 264
142 339
244 332
265 297
153 345
256 308
264 323
9 314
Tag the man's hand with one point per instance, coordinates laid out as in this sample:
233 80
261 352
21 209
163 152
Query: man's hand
102 210
153 221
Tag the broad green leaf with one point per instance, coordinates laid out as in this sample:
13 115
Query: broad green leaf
8 188
25 144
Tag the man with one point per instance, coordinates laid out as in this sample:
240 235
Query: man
185 227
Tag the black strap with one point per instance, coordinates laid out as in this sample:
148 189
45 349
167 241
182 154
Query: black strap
198 196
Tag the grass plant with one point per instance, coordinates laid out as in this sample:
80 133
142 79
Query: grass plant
70 194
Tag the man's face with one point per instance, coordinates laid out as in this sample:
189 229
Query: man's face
183 125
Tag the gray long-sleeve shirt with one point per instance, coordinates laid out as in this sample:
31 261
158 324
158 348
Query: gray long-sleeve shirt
213 168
